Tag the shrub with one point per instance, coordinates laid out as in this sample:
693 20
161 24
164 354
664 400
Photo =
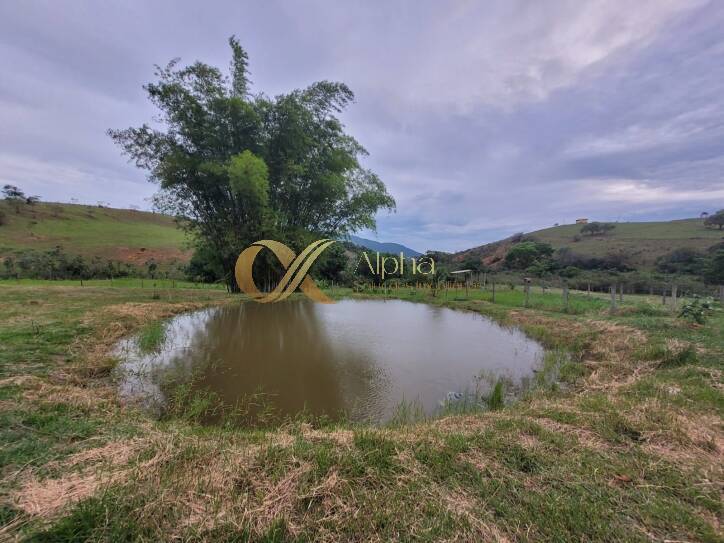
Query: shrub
594 228
682 260
524 254
696 310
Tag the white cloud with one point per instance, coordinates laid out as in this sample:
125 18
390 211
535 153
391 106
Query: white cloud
647 192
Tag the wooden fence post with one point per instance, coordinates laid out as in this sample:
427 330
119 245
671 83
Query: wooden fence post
612 290
721 294
565 297
492 283
620 293
674 290
663 295
527 293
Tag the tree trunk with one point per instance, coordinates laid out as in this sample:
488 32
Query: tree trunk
231 285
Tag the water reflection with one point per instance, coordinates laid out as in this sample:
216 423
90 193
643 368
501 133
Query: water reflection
361 358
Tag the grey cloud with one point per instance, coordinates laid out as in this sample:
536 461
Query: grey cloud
483 119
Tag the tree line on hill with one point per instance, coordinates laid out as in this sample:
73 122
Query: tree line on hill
56 264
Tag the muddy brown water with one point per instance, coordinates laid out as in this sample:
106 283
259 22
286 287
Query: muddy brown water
360 359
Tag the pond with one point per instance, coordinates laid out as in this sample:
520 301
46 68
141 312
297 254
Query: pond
361 359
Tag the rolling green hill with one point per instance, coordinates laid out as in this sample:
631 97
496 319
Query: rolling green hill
122 235
641 242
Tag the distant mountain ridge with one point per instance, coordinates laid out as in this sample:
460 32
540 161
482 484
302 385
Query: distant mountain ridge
383 247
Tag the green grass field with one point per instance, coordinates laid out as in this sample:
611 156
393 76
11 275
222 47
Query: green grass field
112 234
621 439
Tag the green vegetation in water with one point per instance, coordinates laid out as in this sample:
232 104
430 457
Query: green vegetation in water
495 401
152 337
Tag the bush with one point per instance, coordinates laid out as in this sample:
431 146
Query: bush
696 310
204 265
57 264
714 265
683 260
594 228
526 253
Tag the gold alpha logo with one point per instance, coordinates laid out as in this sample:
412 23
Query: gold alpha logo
295 276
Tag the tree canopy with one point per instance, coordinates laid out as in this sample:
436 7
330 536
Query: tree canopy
11 192
594 228
717 219
526 253
238 167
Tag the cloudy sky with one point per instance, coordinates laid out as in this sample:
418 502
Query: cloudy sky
483 118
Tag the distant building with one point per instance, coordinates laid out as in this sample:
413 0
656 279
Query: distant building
581 221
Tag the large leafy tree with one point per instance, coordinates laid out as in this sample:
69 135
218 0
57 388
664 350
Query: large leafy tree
238 167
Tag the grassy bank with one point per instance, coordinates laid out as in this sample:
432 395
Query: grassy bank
627 446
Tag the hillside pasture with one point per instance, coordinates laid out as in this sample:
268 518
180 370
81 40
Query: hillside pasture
122 235
644 242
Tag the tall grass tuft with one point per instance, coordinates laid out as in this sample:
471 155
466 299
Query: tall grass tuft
495 400
675 359
152 337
